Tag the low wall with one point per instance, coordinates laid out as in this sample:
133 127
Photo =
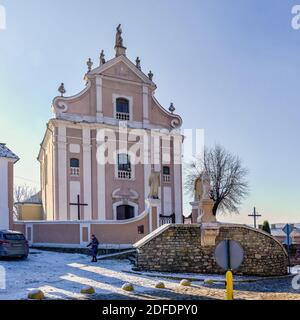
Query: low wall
76 234
177 248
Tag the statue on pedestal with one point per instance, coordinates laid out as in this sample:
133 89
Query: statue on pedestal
198 189
154 184
202 193
119 39
119 47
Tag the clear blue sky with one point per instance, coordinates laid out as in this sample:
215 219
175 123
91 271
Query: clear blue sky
231 67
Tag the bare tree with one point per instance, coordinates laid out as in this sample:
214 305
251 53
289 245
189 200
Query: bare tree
22 193
228 178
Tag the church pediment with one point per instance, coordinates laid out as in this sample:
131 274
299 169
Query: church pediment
121 67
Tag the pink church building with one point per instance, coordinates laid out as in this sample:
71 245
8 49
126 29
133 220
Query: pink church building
110 160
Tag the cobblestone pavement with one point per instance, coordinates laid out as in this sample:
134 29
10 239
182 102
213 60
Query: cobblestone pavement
280 289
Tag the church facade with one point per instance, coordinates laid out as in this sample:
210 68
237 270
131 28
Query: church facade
110 160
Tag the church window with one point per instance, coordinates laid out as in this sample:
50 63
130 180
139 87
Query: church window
124 166
166 174
122 109
74 167
125 212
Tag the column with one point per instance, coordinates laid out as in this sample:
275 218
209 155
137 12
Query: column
99 100
145 106
87 172
101 179
177 150
62 173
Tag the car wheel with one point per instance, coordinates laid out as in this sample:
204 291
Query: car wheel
24 257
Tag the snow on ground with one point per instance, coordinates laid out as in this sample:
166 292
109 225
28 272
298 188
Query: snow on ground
63 275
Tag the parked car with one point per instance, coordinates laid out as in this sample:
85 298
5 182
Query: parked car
13 244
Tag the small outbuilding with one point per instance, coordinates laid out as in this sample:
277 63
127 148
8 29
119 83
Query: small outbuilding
7 161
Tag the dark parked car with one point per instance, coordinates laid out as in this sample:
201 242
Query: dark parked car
13 244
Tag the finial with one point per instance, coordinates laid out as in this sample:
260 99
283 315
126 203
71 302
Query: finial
102 58
150 75
172 108
119 47
62 89
89 64
138 63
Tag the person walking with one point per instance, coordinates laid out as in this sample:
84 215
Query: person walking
94 247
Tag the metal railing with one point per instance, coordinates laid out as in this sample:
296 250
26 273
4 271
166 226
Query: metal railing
122 116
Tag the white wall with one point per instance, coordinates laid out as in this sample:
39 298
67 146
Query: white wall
4 213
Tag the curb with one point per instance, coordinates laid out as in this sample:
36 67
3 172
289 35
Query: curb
214 280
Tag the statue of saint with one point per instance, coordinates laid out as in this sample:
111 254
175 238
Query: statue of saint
119 39
102 58
198 188
206 186
154 183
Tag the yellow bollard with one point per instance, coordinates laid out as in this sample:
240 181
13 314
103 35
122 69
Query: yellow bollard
229 285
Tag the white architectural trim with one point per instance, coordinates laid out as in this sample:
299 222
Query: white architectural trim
145 104
59 105
88 226
4 212
99 99
93 222
74 148
178 189
29 225
87 172
116 96
168 205
62 172
130 65
101 179
125 202
78 246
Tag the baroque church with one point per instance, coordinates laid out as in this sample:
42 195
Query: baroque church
110 159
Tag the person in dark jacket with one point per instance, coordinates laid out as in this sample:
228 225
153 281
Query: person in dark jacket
94 247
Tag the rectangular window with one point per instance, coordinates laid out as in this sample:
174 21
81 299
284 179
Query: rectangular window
122 109
124 162
166 174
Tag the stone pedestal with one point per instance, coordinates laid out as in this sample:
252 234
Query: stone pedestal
195 211
120 51
209 233
205 211
154 207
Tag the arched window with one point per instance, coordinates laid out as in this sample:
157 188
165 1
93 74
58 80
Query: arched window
122 109
74 167
125 212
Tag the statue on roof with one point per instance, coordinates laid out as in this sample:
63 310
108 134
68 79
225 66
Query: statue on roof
102 58
119 39
119 47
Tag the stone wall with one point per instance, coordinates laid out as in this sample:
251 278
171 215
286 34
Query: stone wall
177 248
